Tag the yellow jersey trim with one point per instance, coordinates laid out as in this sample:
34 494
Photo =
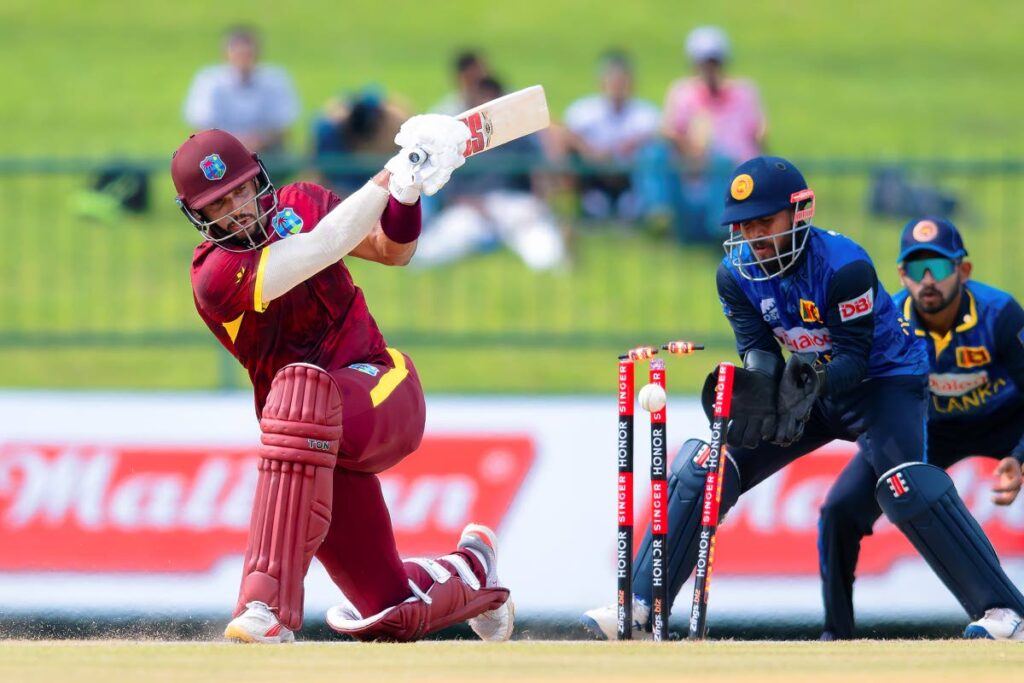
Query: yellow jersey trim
390 380
257 290
232 327
943 341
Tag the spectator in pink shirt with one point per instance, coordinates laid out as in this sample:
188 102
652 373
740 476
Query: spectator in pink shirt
708 115
713 124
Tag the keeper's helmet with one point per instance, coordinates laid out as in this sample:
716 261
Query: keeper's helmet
761 187
208 166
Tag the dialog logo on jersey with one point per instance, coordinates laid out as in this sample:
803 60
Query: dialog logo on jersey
857 307
972 356
809 312
956 383
898 485
286 222
213 167
769 310
803 339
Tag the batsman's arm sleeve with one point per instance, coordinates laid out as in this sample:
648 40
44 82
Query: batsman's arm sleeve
749 328
288 262
852 329
1009 330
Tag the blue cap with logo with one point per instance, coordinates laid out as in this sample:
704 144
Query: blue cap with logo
760 187
931 234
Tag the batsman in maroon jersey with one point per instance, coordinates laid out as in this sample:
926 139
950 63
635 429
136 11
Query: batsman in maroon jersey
336 405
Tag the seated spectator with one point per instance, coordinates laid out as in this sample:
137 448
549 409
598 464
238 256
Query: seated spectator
491 201
611 127
364 123
254 102
469 70
714 124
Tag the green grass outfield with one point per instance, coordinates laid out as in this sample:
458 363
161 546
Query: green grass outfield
471 662
863 80
873 77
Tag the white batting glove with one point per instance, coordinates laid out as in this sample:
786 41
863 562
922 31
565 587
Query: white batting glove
404 184
441 140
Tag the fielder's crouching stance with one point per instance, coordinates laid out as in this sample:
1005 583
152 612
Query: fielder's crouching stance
336 405
854 371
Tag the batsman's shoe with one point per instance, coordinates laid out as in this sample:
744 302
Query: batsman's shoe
603 622
495 624
258 624
999 623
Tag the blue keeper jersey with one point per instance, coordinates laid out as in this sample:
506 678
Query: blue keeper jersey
973 366
832 303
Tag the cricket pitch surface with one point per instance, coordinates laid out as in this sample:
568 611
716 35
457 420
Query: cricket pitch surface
107 661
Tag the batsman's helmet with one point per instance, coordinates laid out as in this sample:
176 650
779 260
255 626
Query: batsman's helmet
210 165
761 187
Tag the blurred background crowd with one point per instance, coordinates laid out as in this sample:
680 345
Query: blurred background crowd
599 233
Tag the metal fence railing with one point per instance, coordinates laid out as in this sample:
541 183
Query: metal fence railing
79 272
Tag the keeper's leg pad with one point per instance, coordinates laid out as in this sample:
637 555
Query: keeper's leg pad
922 502
454 596
301 425
685 493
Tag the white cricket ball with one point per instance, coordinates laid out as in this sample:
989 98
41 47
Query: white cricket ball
652 397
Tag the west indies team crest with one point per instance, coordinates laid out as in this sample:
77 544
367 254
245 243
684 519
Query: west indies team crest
286 222
213 168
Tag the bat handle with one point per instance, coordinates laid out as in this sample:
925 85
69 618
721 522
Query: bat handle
416 156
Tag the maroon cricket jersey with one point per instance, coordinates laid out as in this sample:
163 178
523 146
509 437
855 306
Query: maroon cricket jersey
323 321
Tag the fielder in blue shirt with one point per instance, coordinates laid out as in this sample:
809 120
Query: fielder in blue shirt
975 339
855 370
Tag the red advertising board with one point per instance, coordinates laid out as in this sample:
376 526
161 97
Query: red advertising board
102 508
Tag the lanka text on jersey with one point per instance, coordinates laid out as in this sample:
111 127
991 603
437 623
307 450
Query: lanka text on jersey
967 379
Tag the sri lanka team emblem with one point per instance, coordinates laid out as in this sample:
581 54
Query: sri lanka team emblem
286 222
213 168
742 186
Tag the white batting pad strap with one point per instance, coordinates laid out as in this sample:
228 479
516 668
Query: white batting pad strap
437 572
418 593
464 570
346 618
299 257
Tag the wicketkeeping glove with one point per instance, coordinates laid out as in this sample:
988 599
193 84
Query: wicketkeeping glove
800 387
754 393
432 147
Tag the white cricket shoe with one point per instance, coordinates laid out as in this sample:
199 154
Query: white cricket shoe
603 622
999 623
258 624
495 624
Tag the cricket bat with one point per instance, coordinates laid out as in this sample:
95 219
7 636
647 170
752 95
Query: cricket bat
505 119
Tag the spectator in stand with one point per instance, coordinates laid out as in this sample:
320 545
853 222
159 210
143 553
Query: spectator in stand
254 102
610 128
470 69
495 201
714 123
363 124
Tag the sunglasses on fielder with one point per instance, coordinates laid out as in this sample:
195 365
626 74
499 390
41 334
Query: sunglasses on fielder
939 267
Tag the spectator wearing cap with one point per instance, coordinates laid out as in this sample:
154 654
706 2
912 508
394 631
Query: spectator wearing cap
254 102
611 127
713 123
